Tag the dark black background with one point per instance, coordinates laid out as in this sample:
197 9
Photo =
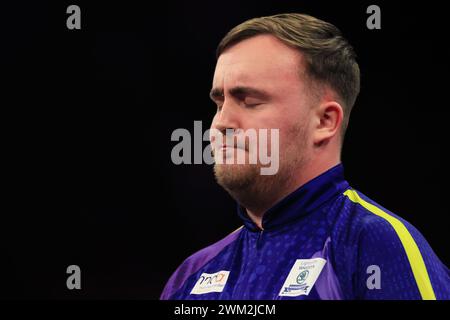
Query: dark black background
87 117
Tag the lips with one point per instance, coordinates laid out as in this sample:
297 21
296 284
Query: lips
226 146
231 144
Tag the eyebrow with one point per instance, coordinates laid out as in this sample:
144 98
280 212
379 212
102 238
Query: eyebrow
217 94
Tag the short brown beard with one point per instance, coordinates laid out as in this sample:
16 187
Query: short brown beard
236 177
244 182
254 191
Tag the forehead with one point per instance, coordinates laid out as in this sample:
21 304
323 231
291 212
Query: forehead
262 60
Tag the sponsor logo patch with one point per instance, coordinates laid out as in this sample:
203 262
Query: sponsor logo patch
302 277
211 282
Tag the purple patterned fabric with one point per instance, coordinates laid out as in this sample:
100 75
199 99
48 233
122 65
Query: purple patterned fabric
327 285
195 262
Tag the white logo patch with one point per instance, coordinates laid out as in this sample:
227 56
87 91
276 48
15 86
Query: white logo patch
302 277
214 282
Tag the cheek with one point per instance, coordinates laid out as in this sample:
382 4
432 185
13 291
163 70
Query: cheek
294 134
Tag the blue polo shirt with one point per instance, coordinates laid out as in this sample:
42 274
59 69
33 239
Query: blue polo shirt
323 241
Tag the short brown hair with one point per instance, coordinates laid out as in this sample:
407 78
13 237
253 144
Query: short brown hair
330 59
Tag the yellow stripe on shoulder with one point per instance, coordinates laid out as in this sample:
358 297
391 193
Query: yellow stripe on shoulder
412 250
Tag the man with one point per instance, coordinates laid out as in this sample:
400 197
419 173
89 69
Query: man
307 234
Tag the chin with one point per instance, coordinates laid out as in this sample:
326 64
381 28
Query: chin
235 176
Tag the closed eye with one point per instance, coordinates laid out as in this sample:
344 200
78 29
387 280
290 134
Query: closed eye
250 102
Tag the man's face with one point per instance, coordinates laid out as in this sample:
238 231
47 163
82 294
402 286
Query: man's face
258 85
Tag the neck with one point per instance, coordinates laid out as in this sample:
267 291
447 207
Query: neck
257 206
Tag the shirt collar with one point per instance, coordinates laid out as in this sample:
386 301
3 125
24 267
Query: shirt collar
302 201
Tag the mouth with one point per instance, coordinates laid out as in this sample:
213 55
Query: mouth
225 147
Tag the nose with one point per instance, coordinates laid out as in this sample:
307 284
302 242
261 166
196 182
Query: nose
226 118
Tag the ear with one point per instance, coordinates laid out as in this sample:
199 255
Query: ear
328 121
